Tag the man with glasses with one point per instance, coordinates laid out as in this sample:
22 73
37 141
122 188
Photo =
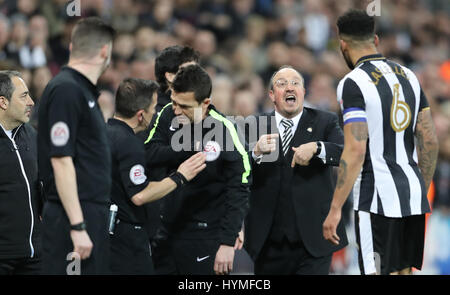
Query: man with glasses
291 192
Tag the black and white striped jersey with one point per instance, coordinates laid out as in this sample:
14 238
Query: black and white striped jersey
388 97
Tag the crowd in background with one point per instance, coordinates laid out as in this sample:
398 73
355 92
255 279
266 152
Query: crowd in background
241 43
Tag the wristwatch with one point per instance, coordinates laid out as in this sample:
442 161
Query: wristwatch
178 178
79 226
319 148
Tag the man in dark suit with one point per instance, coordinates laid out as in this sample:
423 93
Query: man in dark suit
293 183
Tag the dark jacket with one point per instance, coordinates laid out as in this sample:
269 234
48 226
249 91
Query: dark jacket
309 188
20 201
213 204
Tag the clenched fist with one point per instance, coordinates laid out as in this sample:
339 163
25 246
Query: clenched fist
266 144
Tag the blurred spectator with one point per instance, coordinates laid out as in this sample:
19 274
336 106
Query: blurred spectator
160 17
222 91
145 42
185 32
55 13
213 16
124 16
124 47
4 36
244 102
143 68
41 76
205 44
278 55
442 175
316 25
321 93
18 37
107 102
59 45
39 80
27 7
239 11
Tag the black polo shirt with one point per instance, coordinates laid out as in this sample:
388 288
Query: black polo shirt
128 170
71 124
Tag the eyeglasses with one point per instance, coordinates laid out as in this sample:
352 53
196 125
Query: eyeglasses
282 83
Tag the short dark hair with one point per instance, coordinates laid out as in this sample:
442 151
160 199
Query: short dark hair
193 78
170 59
89 35
357 25
6 85
133 95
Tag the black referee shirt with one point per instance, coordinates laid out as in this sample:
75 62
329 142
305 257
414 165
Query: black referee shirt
128 170
71 124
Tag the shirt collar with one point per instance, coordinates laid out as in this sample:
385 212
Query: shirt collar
369 57
7 132
82 78
296 119
113 121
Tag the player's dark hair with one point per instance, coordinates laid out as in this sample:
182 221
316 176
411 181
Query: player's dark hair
356 24
89 35
193 78
170 59
6 85
133 95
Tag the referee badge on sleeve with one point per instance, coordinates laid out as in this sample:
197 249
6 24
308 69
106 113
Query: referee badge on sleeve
137 174
59 134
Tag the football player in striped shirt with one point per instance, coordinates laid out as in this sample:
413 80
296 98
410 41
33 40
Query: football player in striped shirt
389 156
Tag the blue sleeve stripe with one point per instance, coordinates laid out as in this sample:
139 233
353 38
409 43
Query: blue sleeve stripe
353 120
352 110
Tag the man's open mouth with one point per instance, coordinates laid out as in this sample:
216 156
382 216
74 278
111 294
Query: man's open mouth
290 99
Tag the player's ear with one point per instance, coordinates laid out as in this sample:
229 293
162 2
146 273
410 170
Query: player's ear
271 95
169 76
104 51
376 40
343 44
206 101
4 102
139 115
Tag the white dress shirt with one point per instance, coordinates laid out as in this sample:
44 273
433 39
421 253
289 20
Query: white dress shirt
296 119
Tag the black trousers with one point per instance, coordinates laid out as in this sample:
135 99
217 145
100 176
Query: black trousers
57 243
130 250
185 257
21 266
287 258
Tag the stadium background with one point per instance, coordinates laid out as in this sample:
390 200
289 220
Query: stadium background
241 43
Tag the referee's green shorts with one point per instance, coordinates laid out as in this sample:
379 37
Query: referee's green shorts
387 245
